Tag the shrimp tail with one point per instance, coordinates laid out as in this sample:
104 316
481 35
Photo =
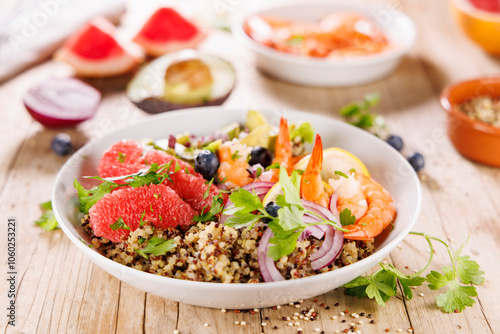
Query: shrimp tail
311 187
283 150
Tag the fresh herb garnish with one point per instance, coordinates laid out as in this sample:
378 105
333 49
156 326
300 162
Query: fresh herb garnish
47 220
459 278
207 191
121 157
247 209
118 224
258 172
154 175
296 40
216 208
341 174
274 165
360 115
157 246
346 217
235 156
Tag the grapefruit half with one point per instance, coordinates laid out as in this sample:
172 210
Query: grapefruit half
93 51
166 31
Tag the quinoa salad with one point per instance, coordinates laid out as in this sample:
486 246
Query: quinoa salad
246 204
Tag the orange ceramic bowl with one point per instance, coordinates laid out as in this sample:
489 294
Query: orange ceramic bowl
475 140
481 26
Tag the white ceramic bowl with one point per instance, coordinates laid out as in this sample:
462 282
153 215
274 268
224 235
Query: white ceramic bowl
310 71
385 164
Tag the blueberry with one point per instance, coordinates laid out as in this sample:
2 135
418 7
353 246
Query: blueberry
272 209
395 141
416 160
206 163
61 144
260 155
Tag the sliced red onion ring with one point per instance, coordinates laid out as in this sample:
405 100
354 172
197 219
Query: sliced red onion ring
333 204
313 230
319 210
266 264
330 250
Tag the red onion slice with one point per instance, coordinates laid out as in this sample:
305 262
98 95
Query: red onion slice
319 210
266 264
333 204
313 230
330 250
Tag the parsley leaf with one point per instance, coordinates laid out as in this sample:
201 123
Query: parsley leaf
235 156
157 246
305 132
360 115
47 220
121 157
246 200
346 217
90 197
241 219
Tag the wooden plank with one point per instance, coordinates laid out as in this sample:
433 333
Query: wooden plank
160 315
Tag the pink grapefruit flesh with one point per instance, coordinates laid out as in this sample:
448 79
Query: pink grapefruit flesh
156 203
487 5
93 51
161 158
122 158
166 31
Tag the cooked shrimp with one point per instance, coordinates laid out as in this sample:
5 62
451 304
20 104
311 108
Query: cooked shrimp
311 184
381 211
282 151
233 165
350 195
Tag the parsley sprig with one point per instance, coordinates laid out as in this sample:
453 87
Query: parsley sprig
156 174
459 278
47 221
359 114
247 210
157 246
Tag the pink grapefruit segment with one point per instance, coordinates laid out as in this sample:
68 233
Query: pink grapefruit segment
166 31
122 158
93 51
161 158
159 204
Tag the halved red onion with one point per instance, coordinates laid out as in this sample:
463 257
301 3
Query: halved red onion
266 264
313 230
330 250
333 204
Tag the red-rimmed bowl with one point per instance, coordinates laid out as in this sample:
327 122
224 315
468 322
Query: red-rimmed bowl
475 140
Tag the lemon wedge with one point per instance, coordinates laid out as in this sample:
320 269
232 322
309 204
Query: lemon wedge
272 194
335 159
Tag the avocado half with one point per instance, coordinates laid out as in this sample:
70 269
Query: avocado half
183 79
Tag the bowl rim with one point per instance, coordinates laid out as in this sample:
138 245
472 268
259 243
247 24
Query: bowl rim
467 8
240 35
452 110
243 287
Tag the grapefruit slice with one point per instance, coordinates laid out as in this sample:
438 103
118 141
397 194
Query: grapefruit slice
156 203
166 31
93 51
122 158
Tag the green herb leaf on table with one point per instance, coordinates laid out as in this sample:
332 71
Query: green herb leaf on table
157 246
47 220
379 286
359 114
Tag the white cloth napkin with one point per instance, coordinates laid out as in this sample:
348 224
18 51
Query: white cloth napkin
31 31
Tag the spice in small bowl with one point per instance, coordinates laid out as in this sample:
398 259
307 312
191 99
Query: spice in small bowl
484 109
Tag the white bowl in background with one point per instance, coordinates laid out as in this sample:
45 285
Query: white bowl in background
348 71
385 164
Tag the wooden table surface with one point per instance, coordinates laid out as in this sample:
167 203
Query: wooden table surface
61 291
